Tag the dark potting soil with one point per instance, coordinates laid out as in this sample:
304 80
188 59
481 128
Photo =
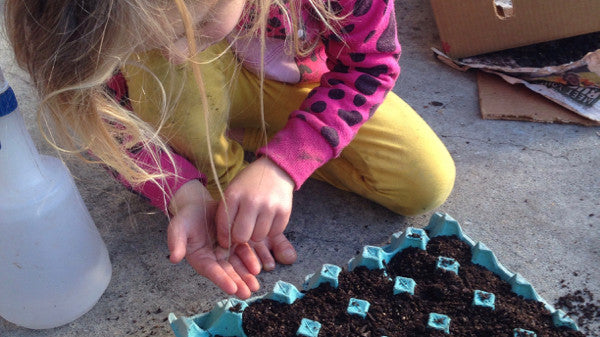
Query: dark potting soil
581 306
406 315
551 53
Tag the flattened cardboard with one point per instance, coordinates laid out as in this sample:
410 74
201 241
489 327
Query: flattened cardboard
501 100
472 27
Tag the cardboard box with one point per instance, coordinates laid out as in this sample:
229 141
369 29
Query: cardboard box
501 100
472 27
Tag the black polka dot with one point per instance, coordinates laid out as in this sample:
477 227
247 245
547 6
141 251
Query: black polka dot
348 29
304 69
313 13
340 67
301 116
336 8
311 93
387 40
330 135
274 22
359 100
334 81
336 94
361 7
357 57
367 84
334 37
369 36
372 110
318 106
134 150
350 117
374 71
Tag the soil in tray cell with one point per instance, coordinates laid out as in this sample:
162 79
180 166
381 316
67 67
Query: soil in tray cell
437 291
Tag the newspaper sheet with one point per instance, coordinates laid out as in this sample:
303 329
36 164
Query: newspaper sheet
574 85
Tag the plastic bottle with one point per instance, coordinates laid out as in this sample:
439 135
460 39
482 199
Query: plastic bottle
54 265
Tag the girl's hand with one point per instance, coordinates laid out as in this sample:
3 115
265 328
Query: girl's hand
279 245
191 235
257 206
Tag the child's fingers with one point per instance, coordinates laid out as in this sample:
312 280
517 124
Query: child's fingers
176 239
283 250
280 221
264 254
248 256
223 220
243 291
216 274
249 280
264 223
244 223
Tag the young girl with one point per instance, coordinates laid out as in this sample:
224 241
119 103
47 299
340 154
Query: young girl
169 95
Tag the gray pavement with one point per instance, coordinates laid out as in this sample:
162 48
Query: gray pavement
530 192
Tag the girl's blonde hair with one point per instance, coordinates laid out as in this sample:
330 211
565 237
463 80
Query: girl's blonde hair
71 48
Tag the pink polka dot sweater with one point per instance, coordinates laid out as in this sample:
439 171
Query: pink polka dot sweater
355 69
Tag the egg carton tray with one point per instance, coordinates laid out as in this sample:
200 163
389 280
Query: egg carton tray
225 319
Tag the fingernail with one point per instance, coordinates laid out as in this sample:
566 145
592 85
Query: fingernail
269 266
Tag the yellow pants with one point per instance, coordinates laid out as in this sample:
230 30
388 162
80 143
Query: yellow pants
395 159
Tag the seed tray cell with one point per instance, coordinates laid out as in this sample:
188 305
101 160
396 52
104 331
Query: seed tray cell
225 319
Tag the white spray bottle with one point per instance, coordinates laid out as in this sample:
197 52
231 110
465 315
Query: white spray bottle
54 265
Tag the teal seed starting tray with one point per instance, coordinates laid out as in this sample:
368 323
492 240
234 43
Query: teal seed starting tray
225 319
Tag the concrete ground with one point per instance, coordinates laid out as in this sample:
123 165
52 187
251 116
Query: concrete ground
531 192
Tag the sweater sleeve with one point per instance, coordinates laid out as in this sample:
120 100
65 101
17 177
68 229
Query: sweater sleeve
362 62
176 172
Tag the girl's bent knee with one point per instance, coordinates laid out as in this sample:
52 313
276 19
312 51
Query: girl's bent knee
424 192
427 200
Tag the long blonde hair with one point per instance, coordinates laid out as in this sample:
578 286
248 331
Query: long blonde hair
71 48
